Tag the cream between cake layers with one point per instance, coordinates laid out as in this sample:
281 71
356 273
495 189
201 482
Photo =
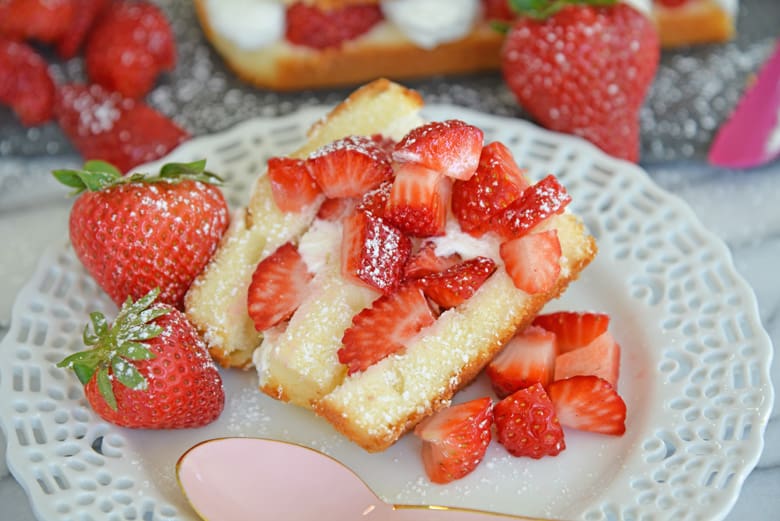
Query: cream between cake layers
392 271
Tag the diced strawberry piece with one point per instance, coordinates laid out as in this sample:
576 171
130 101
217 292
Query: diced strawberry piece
278 287
418 201
336 209
373 253
384 328
589 403
498 10
455 439
527 359
106 125
319 28
129 46
497 183
425 262
25 83
526 424
456 284
450 147
533 261
351 166
292 186
573 329
600 358
85 14
42 20
375 201
538 202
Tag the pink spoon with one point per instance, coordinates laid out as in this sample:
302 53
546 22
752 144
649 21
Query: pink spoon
248 479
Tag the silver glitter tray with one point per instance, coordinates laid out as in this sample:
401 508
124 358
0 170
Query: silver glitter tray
694 91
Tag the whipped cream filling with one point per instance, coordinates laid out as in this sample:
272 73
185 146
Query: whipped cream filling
250 24
429 23
320 245
457 241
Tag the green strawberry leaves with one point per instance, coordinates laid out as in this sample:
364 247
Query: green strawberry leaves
116 346
542 9
99 175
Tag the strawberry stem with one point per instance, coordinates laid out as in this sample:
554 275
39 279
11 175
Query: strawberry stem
99 175
543 9
117 345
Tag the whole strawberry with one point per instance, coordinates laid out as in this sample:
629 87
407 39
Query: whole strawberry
130 45
25 83
583 67
149 369
139 232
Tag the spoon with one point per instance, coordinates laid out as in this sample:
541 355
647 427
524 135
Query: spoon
229 479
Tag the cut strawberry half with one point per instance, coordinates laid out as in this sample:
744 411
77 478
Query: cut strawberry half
450 147
336 209
527 359
589 403
456 284
351 166
373 253
600 358
455 439
425 262
573 329
375 201
292 186
497 183
311 26
384 328
538 202
533 261
278 287
418 201
527 425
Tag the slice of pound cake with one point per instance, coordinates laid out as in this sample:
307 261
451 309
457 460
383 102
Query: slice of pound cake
411 261
217 301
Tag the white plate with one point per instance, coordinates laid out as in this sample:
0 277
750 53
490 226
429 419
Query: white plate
694 374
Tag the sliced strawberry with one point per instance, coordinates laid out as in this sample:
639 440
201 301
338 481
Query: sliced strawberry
527 359
42 20
311 26
418 201
526 424
84 16
450 147
589 403
573 329
25 83
106 125
384 328
336 209
292 186
373 253
425 262
600 358
278 287
455 439
351 166
456 284
497 183
538 202
533 261
375 201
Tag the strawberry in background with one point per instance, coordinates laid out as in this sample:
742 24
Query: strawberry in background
129 46
583 67
25 83
41 20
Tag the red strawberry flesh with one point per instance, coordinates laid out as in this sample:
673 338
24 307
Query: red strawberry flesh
455 439
449 147
527 359
279 285
527 425
589 403
425 262
573 329
533 261
25 83
458 283
384 328
537 203
318 28
292 186
351 166
418 201
601 358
